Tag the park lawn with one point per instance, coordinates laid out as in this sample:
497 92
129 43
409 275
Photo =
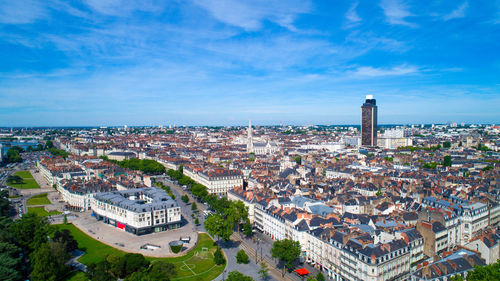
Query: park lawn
94 250
201 261
77 276
27 184
24 174
41 212
40 199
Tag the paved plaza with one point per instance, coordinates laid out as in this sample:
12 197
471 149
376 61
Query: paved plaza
129 242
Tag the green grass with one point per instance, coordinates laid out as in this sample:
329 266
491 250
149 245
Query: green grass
40 211
40 199
29 181
201 262
24 174
28 184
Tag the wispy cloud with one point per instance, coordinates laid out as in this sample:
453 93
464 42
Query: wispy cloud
21 12
352 16
396 12
124 7
368 71
459 12
250 15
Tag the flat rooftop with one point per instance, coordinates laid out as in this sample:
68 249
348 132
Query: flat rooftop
131 199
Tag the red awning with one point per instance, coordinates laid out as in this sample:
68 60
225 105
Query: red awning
302 271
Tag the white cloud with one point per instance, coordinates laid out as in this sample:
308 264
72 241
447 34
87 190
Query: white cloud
395 12
123 7
458 12
249 15
368 71
351 15
21 12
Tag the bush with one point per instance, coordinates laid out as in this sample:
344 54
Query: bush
176 246
242 257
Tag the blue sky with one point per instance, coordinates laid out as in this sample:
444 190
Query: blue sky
200 62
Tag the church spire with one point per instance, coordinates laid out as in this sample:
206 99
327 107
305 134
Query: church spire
250 137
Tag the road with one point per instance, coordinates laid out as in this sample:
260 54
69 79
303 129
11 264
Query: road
229 248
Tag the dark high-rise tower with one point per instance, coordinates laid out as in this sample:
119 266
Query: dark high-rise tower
369 122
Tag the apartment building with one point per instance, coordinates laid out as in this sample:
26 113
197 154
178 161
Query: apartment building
458 263
218 181
79 193
138 211
55 169
345 255
473 217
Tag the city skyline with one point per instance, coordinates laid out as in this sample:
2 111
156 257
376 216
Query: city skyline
96 63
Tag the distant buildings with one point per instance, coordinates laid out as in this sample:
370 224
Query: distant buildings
260 147
369 122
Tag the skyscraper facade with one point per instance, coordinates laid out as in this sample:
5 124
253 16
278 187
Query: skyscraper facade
369 122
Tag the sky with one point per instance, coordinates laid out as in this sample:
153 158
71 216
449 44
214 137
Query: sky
200 62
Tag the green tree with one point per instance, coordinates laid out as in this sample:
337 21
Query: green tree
66 239
199 191
99 271
487 168
320 277
15 179
13 156
30 231
263 271
194 207
242 257
48 262
447 161
196 221
114 264
185 198
237 212
446 144
298 159
485 273
49 144
287 251
219 257
218 226
238 276
247 229
10 261
161 270
4 203
457 277
131 263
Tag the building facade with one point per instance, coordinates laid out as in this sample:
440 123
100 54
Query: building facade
369 122
138 211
